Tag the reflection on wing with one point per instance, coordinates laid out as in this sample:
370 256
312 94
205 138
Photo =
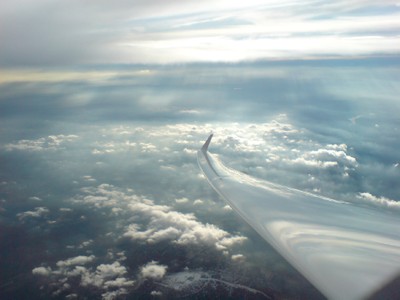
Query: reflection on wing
346 251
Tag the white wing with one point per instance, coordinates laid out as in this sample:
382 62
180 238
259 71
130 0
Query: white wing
345 250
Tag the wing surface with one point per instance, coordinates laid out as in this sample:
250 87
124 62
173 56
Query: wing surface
344 250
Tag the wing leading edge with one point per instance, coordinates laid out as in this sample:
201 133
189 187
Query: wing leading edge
344 250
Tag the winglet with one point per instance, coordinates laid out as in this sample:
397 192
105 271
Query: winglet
207 143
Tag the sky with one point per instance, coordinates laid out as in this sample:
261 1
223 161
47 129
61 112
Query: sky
104 105
52 33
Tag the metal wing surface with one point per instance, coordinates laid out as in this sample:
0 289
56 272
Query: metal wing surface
344 250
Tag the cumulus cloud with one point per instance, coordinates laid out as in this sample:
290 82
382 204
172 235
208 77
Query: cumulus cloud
85 244
119 282
52 142
105 273
89 178
156 293
65 209
329 157
44 271
164 223
182 200
379 201
111 295
198 202
238 257
34 198
158 222
227 208
314 162
36 213
103 195
153 270
78 260
109 278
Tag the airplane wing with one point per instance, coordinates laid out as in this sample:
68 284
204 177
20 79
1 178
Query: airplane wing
345 251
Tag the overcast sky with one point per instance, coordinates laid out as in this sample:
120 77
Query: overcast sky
54 33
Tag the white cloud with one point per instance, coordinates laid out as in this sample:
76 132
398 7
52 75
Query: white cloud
52 142
147 147
331 156
227 208
193 31
313 162
109 278
65 209
238 257
110 273
85 244
34 198
198 202
169 233
182 200
164 223
160 222
156 293
379 201
78 260
339 155
44 271
89 178
153 270
112 295
37 213
119 282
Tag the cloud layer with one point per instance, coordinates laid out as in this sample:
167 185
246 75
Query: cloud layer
73 32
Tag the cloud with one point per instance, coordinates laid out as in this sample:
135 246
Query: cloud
198 202
156 222
78 260
314 163
106 275
65 209
207 31
52 142
85 244
119 282
332 156
109 278
43 271
238 257
227 208
35 198
162 223
379 201
37 213
182 200
89 178
153 270
111 295
156 293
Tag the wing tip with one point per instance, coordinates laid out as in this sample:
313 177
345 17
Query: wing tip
207 143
